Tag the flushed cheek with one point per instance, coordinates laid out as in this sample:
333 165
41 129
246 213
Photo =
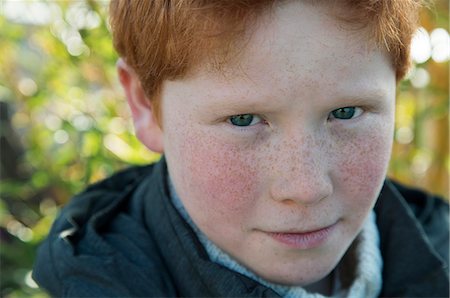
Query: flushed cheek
359 175
217 177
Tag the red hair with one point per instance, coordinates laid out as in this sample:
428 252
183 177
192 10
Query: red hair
163 39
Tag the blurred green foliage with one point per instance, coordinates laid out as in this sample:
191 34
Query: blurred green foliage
65 124
420 154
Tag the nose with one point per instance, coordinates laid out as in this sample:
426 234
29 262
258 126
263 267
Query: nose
301 172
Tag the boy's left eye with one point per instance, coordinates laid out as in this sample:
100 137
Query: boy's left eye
346 113
244 120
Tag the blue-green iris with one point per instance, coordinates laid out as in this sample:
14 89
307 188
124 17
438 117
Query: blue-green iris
242 120
344 113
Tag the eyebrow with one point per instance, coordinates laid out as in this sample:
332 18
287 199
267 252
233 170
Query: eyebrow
363 98
366 94
227 104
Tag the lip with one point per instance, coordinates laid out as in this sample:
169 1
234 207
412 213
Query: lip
303 240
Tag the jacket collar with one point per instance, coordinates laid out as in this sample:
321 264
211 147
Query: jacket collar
411 266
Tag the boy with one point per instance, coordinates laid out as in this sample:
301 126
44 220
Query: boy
276 121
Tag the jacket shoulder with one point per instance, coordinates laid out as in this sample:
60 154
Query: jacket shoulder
92 243
432 213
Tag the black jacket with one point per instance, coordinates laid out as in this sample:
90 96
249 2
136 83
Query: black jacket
122 237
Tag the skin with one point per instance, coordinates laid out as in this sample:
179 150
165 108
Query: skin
297 169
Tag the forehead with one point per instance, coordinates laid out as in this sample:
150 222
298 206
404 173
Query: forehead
298 43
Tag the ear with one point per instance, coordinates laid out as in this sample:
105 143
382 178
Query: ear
145 124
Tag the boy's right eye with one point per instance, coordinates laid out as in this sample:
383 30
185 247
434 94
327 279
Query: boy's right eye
244 120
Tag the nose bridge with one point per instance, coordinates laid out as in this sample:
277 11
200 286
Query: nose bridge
301 173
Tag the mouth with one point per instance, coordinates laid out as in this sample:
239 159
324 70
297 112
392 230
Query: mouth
303 240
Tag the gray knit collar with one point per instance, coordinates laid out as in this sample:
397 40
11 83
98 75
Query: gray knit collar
364 259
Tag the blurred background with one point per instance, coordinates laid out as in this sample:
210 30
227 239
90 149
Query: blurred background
64 122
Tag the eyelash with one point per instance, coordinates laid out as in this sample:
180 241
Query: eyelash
245 118
357 112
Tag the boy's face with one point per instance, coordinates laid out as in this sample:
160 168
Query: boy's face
285 187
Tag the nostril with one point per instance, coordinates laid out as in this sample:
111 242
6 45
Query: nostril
288 202
302 201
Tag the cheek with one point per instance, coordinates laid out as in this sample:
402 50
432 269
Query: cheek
362 166
215 176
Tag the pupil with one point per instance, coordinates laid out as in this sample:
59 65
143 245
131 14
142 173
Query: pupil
241 120
344 113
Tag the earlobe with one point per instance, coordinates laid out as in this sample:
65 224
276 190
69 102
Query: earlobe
146 125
